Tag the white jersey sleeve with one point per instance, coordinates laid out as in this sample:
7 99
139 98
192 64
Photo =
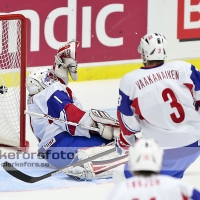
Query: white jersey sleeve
158 187
56 101
160 101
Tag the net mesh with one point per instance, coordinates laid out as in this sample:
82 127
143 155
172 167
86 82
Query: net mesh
10 65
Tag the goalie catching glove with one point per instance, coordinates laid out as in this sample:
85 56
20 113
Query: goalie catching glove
65 61
100 168
108 127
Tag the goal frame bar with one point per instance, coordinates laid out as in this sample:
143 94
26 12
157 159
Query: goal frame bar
23 143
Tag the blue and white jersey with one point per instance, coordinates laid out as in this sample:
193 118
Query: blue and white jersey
58 101
160 102
156 187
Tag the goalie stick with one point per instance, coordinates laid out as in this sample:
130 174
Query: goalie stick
31 179
61 120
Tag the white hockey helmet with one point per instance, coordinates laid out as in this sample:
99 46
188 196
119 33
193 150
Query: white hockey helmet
68 57
146 155
39 79
153 47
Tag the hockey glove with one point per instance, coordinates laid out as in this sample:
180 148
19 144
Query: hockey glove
108 127
66 55
66 59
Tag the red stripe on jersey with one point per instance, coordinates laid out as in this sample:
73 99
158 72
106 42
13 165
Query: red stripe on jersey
122 142
69 92
135 105
61 80
74 114
184 197
189 86
122 126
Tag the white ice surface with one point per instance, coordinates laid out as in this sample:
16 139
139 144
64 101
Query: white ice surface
94 94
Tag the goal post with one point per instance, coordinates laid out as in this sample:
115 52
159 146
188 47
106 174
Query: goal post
12 81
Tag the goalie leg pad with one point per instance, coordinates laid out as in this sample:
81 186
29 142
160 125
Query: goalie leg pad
87 172
98 169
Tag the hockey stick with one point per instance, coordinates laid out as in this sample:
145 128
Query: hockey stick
60 120
31 179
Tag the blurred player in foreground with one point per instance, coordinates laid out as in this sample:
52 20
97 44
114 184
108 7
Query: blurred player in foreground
145 163
49 94
159 99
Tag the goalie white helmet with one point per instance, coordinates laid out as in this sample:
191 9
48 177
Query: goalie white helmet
146 155
65 61
39 79
153 47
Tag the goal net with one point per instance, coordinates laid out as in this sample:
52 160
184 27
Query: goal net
12 80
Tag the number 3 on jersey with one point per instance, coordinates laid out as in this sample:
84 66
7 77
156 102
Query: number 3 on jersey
119 100
174 104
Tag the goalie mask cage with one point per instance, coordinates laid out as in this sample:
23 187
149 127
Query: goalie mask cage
12 81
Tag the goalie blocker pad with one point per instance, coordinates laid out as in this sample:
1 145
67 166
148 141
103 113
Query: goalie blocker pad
108 126
100 168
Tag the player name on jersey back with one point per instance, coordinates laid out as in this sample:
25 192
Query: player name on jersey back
154 77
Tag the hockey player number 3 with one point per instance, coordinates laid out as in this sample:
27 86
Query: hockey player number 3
174 104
